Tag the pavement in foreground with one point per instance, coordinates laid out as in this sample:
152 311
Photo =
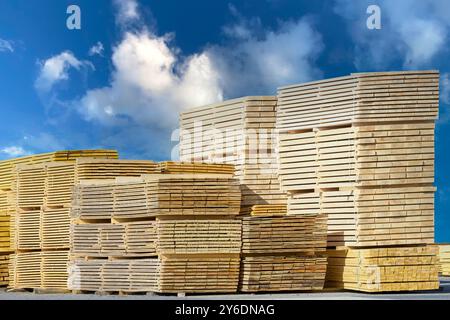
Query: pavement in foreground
442 294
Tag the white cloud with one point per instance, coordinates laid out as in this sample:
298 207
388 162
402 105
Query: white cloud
43 142
445 88
6 45
96 49
151 84
258 61
127 11
14 151
412 31
152 81
32 144
56 69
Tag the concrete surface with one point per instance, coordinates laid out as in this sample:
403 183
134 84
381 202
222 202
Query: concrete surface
442 294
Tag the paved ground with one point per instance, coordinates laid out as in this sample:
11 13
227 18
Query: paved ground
442 294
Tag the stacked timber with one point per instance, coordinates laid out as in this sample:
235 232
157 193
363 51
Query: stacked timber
283 253
384 269
173 232
39 270
444 259
240 132
360 149
9 200
43 195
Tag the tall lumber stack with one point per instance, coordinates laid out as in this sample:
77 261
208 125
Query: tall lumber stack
173 232
238 132
283 253
444 259
360 149
41 219
7 198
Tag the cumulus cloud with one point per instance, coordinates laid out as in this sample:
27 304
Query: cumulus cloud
151 83
258 61
127 11
30 144
445 87
6 45
96 49
56 69
152 80
42 142
14 151
413 32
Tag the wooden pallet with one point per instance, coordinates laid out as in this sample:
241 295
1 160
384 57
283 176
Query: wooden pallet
283 235
282 273
362 97
372 217
134 239
444 259
383 269
238 132
198 236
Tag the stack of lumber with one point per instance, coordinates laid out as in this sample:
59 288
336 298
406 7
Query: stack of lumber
404 96
282 273
358 156
43 194
191 273
171 167
55 228
92 200
39 270
444 259
283 253
7 167
240 132
60 179
360 149
268 210
384 269
198 235
124 275
4 275
184 217
192 194
96 169
157 194
27 186
372 216
30 186
114 240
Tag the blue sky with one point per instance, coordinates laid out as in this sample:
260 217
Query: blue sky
120 81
